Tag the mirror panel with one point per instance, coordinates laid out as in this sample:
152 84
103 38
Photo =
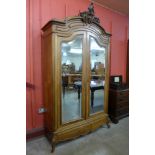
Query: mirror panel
71 63
97 77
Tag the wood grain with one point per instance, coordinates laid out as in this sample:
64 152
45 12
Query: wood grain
54 32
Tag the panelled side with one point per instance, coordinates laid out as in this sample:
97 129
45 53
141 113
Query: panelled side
47 80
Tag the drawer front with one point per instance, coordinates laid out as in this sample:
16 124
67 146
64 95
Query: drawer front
122 104
118 107
122 111
123 94
120 99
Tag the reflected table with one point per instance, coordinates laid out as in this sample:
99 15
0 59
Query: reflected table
94 85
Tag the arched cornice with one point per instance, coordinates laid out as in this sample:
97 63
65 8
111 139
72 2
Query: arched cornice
72 24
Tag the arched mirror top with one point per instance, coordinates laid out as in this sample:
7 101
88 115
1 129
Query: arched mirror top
98 39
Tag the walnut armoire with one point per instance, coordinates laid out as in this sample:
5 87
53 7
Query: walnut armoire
75 71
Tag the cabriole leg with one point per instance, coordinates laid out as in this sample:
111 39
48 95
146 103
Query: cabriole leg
108 122
53 147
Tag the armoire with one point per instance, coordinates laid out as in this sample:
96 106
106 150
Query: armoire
75 73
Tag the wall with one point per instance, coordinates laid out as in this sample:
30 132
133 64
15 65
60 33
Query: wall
38 13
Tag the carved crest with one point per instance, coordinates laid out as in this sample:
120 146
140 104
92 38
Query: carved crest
89 16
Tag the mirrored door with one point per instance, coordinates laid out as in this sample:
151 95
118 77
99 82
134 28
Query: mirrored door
97 76
71 75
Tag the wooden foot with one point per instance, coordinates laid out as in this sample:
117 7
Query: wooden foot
53 147
108 125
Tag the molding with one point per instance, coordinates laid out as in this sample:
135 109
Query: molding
35 133
67 26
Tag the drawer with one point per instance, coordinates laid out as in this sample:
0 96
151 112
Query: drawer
117 105
123 94
122 99
122 104
122 111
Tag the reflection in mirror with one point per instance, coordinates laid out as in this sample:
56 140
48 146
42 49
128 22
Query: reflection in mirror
71 61
97 65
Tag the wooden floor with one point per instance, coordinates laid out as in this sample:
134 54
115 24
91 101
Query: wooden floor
104 141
